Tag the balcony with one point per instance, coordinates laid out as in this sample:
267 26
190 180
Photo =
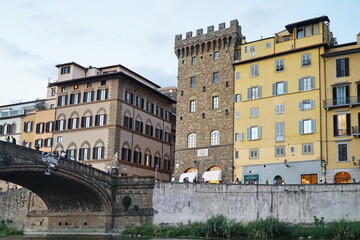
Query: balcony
341 102
342 132
356 132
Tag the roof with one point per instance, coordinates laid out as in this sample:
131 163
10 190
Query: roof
22 103
70 63
290 27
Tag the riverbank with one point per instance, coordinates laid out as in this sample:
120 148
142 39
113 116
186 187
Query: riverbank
221 227
5 230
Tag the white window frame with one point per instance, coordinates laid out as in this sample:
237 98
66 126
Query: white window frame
215 102
192 106
280 108
254 112
237 75
191 140
252 51
306 105
214 138
254 133
254 70
279 88
254 92
306 83
347 151
280 151
88 96
237 115
253 153
307 126
59 139
307 148
279 131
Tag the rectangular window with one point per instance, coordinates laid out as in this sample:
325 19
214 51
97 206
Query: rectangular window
254 153
149 130
88 96
307 148
137 157
268 45
192 106
59 139
139 102
158 133
100 120
102 94
279 88
48 142
253 133
193 82
342 67
279 131
239 137
342 125
98 152
65 70
307 126
342 152
193 60
86 121
254 70
280 151
84 154
215 102
279 65
159 111
252 51
139 126
40 128
254 92
75 98
128 122
129 97
245 49
28 126
216 55
39 143
126 154
280 108
53 92
63 89
237 98
306 84
62 100
150 107
236 154
300 32
237 115
341 95
309 178
215 77
305 60
237 75
73 123
237 55
254 112
49 126
306 105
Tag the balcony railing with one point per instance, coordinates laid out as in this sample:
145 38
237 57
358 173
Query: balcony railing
356 131
341 102
342 132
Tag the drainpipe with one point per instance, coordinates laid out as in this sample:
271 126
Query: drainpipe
324 161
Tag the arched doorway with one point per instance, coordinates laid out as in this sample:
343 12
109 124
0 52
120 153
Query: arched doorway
342 177
278 179
212 175
189 175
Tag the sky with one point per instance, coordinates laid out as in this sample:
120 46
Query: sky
36 35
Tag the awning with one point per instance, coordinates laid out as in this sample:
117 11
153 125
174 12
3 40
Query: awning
189 175
212 176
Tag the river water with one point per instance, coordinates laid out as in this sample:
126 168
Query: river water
78 237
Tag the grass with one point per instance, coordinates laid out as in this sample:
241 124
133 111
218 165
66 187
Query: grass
6 230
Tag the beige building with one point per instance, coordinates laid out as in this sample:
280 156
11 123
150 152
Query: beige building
204 123
112 110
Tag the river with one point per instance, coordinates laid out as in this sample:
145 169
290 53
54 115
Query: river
79 237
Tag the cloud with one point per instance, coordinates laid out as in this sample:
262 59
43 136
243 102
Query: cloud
11 50
157 75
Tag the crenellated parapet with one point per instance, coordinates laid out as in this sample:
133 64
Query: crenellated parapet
211 41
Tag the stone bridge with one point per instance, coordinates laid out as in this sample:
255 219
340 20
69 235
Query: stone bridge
78 197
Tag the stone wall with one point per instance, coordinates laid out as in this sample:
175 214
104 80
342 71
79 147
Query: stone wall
176 203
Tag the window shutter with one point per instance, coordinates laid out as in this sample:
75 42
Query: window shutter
241 137
301 84
31 126
313 125
234 99
91 119
82 122
94 152
301 105
248 133
25 125
105 118
312 82
98 94
70 123
92 96
347 99
301 127
106 93
348 124
77 122
285 87
102 152
259 90
66 99
259 132
312 103
335 125
59 101
249 94
338 67
347 67
274 89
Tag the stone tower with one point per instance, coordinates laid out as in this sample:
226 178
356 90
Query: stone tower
204 135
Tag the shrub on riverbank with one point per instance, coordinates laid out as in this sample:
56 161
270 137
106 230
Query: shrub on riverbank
6 230
221 227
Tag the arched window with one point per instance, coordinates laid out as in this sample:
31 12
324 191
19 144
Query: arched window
84 151
137 155
342 177
192 140
214 138
126 152
148 158
99 150
157 161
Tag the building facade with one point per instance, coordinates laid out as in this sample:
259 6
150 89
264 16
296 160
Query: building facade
111 113
204 142
278 120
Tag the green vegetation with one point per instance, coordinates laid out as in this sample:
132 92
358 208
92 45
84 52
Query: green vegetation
271 228
6 230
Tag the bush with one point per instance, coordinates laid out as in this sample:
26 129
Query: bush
6 230
267 229
345 230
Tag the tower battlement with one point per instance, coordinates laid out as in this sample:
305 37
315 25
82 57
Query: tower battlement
234 28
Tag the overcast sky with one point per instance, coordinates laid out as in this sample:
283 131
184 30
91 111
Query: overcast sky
35 35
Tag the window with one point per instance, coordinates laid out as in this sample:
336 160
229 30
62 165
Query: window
137 157
103 83
139 126
216 55
53 92
147 159
149 130
279 131
193 82
129 97
342 67
60 125
306 105
306 84
309 178
193 60
100 120
75 98
59 139
63 89
279 88
126 154
86 121
98 152
280 151
62 100
307 148
88 96
292 149
48 142
254 153
279 65
254 92
65 70
139 102
128 122
159 111
254 70
342 152
237 55
253 133
88 85
84 154
305 60
268 45
307 126
214 138
237 115
215 102
49 126
167 137
254 112
150 107
215 77
192 107
73 123
237 75
158 133
40 128
102 94
239 137
341 95
300 32
252 51
280 108
39 143
192 140
307 31
245 49
237 98
236 155
28 126
342 125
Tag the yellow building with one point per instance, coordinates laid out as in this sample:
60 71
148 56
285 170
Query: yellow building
277 104
342 104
